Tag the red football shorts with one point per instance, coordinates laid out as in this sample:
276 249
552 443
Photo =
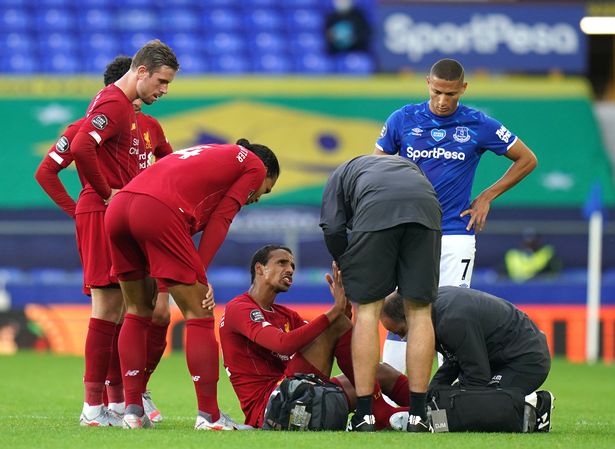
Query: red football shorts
147 236
94 250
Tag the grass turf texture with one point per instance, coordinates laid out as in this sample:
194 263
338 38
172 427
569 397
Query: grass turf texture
41 397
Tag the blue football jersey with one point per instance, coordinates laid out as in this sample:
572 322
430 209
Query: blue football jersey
448 150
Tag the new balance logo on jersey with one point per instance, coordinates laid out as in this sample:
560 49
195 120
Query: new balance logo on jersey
196 378
132 373
185 154
434 153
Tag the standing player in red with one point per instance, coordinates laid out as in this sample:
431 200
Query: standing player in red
108 155
263 342
150 225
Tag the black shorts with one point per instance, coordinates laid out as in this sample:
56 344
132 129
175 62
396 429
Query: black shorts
406 257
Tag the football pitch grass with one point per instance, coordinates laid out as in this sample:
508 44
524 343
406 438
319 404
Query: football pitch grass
41 397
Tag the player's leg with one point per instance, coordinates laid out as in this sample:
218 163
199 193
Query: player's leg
156 344
417 275
106 310
368 274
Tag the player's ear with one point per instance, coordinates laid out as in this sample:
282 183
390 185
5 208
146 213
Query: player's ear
259 268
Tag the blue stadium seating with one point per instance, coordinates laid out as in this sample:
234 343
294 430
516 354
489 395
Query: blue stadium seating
267 42
61 63
15 19
23 63
221 19
229 64
97 19
225 43
183 19
137 20
192 63
272 63
264 36
16 43
263 19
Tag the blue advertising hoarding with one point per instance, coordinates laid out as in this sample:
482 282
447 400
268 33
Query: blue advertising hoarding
524 38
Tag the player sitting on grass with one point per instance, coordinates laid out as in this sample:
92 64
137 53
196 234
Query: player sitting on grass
263 342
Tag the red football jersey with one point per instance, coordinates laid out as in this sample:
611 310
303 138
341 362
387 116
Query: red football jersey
253 369
206 185
154 144
58 158
112 123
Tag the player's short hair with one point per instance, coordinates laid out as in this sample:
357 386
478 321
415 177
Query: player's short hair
262 256
393 307
265 154
154 55
116 69
448 70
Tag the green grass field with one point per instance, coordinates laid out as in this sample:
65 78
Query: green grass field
41 395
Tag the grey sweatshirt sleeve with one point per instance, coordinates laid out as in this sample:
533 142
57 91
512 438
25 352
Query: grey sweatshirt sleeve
333 215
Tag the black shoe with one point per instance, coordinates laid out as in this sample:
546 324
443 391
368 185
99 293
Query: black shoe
544 409
367 423
418 424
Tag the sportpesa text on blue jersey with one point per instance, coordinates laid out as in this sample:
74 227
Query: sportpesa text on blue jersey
448 150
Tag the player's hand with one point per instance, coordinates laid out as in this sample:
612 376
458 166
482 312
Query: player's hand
337 291
209 302
478 211
113 192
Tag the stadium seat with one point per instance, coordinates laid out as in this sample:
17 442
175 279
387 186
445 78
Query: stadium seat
137 20
15 43
225 43
184 42
97 19
313 64
304 19
96 63
95 43
136 4
15 19
56 19
209 4
263 19
192 63
44 4
221 19
308 42
266 42
23 63
13 3
355 64
183 19
252 4
272 63
58 42
132 42
61 63
229 64
313 4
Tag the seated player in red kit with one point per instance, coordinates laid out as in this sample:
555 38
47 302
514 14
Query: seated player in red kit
150 224
263 342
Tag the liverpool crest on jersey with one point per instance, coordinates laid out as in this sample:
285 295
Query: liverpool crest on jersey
462 134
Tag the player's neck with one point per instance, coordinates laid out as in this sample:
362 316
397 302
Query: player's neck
262 295
128 85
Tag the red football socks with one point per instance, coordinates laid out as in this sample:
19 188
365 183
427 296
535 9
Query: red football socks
133 354
202 358
399 392
343 355
114 387
156 344
97 353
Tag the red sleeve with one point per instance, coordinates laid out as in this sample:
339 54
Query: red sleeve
86 158
220 220
47 176
238 318
217 228
163 148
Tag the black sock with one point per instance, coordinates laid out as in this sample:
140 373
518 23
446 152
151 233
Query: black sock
364 405
417 404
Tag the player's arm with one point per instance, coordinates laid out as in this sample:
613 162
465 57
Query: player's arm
524 161
163 148
389 142
470 350
47 177
333 217
245 320
446 374
222 216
